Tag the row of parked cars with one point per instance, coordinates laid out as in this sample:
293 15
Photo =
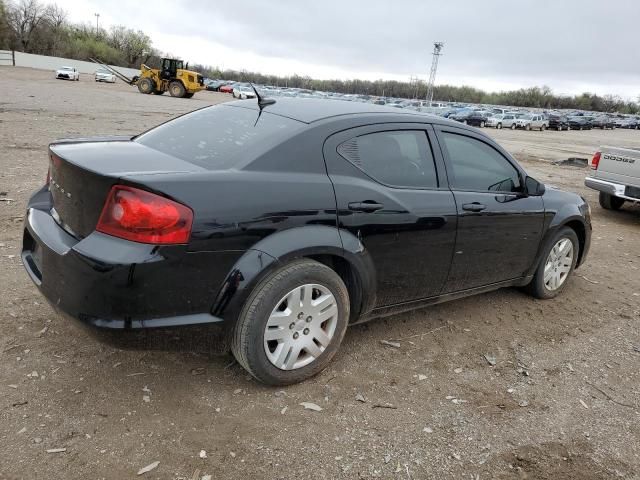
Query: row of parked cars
476 115
502 118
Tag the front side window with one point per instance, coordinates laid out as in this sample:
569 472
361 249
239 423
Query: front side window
395 158
477 166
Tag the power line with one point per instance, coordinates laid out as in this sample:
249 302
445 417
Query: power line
437 49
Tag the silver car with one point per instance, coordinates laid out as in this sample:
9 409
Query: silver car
532 121
502 120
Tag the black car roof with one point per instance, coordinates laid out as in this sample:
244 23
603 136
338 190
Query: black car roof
309 110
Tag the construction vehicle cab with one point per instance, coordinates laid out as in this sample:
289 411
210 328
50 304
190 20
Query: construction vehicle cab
172 77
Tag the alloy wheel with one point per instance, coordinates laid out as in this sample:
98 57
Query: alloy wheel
558 264
301 327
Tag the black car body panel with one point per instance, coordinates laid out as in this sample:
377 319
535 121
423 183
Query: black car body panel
288 195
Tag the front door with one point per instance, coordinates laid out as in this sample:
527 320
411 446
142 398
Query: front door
391 195
499 227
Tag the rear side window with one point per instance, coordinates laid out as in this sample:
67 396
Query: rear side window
478 167
220 137
396 158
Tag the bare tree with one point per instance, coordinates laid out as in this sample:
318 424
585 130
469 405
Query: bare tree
23 19
56 19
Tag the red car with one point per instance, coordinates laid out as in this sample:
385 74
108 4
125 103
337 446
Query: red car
226 89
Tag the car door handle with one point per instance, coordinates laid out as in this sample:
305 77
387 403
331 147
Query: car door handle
473 207
368 206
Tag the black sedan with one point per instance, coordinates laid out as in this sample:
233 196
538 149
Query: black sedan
580 123
471 117
287 221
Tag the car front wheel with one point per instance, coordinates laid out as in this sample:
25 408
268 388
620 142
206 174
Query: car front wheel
292 323
556 266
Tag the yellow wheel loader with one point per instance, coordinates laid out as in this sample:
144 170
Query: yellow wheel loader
171 77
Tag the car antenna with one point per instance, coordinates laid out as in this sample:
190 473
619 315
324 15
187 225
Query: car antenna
262 102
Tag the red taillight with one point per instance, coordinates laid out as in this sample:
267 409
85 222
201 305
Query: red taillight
595 161
144 217
48 180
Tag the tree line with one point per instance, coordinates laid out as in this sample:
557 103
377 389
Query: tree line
34 27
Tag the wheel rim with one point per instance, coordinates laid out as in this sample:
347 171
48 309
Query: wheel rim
558 265
300 327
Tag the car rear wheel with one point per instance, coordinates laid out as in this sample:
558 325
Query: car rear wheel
482 124
556 266
499 126
513 126
542 128
292 323
609 202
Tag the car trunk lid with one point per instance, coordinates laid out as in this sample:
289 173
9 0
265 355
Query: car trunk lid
83 171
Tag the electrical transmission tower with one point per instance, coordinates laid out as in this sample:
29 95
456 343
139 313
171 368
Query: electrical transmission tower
437 49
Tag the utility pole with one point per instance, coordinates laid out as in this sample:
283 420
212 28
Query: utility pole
437 49
97 15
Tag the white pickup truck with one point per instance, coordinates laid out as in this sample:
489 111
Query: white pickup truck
616 175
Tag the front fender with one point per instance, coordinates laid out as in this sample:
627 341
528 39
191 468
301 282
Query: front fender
313 241
556 217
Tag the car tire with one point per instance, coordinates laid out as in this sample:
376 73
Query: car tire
609 202
527 127
559 261
513 126
559 128
543 128
464 122
273 362
499 126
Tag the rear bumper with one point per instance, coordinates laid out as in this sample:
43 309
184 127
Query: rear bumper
111 283
615 189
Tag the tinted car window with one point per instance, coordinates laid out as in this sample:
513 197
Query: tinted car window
220 137
477 166
396 158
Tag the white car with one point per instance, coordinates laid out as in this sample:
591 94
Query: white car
103 75
243 92
68 73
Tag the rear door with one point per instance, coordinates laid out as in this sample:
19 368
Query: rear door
499 228
392 195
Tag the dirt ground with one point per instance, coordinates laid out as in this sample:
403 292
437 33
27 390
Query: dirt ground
561 402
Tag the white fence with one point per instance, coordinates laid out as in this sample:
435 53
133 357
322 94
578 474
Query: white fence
43 62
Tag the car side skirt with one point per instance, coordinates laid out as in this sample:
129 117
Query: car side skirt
409 306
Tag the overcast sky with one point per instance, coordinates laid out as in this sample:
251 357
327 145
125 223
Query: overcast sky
570 45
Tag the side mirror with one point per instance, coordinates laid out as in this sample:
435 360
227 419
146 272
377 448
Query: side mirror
533 187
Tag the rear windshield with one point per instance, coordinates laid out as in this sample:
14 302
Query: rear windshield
220 137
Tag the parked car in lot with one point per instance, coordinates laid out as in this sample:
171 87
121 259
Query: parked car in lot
601 121
226 88
616 175
495 120
471 117
558 122
378 210
243 92
580 122
528 121
103 75
508 121
68 73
